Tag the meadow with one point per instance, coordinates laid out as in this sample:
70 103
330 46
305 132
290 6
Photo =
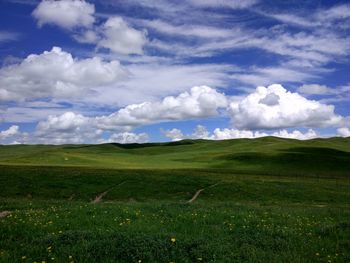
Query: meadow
261 200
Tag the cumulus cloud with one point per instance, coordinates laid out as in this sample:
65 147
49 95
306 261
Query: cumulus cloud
115 35
343 132
222 134
67 14
66 128
70 127
200 102
201 132
266 108
310 134
78 16
226 133
173 134
285 109
67 122
56 73
10 132
119 37
128 137
76 128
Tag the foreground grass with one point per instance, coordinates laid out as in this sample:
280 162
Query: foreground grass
61 231
144 216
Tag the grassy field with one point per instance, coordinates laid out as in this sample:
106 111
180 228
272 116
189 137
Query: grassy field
262 200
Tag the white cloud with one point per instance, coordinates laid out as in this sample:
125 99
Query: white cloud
201 132
223 134
66 128
120 38
70 127
67 14
27 114
314 89
173 134
291 110
115 35
169 79
331 95
310 134
200 102
87 36
10 132
266 108
234 4
264 76
338 12
133 84
67 122
6 36
343 132
327 17
76 128
56 73
187 30
292 19
318 47
129 137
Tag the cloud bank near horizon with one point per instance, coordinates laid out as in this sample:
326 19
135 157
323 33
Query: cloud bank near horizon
266 108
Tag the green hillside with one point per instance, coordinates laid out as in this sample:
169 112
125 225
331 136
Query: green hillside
259 156
261 200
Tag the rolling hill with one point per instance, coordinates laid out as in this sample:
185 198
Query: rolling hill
267 155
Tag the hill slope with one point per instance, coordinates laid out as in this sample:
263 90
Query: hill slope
269 155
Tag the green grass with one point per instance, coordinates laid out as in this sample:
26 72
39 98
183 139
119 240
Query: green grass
267 155
264 200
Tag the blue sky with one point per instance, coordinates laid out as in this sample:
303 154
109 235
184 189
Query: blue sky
138 71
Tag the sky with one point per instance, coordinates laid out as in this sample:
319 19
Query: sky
135 71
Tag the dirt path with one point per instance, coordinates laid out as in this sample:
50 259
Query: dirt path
4 214
195 196
99 197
